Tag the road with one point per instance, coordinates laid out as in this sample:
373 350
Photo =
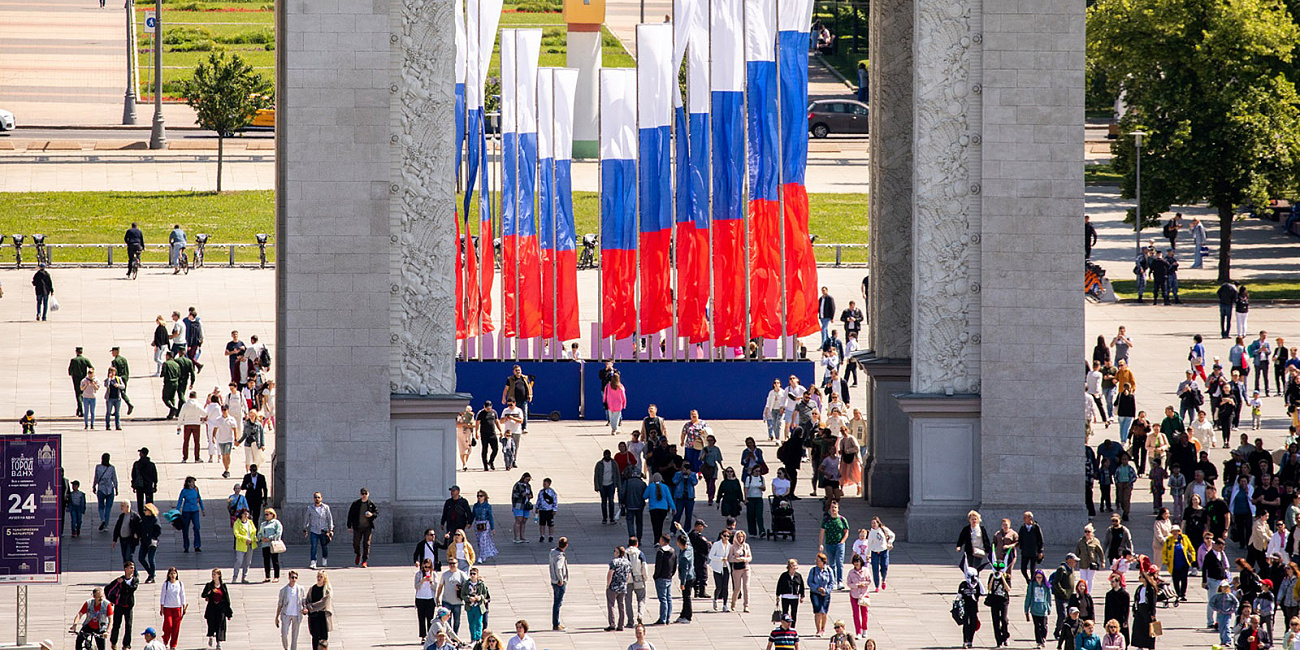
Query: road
122 133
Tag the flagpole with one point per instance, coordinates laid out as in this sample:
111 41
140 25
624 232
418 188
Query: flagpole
636 217
483 163
780 188
515 197
600 221
709 304
673 244
744 192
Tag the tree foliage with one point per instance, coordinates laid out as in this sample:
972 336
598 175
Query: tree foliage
225 94
1208 81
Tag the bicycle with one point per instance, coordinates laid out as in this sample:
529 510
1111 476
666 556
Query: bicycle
42 253
133 264
86 638
182 262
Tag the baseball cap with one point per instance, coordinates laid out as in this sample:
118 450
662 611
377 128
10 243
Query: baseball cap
454 488
787 618
149 631
1072 556
1074 610
701 522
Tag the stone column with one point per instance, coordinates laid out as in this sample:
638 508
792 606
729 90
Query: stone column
366 249
889 304
1032 202
944 406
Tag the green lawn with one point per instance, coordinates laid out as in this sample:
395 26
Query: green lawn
1100 174
103 217
1205 289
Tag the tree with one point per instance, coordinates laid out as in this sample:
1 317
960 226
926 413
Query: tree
1207 80
225 94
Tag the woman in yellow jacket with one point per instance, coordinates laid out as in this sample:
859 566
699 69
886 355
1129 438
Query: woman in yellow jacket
1179 557
245 543
460 548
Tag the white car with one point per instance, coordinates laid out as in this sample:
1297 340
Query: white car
7 122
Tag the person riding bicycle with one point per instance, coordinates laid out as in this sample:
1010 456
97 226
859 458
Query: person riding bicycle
176 240
98 613
134 240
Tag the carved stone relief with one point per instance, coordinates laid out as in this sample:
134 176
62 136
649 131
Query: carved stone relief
422 201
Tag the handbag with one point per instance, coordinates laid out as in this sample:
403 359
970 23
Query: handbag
481 526
1157 629
278 547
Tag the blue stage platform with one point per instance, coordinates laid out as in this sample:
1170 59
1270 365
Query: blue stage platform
721 390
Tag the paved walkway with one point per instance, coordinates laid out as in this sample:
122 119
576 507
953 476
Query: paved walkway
373 607
1259 247
64 63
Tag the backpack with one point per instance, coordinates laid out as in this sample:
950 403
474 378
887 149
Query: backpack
1169 228
264 359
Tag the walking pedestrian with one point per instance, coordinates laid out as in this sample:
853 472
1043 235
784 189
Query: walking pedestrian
449 583
684 482
970 591
615 398
190 504
634 501
476 598
121 594
665 568
44 292
361 521
89 388
114 393
685 575
558 563
659 499
218 610
172 607
76 507
126 531
999 594
105 485
487 431
548 502
754 489
288 611
636 587
255 489
738 558
605 480
791 590
319 608
859 584
194 338
974 543
1241 308
513 429
320 530
830 540
617 580
270 536
1038 604
426 596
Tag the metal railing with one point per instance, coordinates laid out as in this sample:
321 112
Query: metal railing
116 255
839 253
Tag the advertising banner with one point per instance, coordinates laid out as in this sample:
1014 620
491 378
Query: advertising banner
29 515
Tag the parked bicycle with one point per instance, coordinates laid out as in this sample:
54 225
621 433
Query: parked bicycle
200 243
588 258
42 252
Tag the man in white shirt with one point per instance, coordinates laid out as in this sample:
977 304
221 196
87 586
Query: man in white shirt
211 414
288 613
151 641
190 423
224 435
512 424
773 408
177 336
521 640
234 400
449 591
792 395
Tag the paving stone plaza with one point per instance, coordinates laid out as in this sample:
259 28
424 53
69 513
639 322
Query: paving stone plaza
374 607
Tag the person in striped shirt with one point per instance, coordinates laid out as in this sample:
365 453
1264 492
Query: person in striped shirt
784 637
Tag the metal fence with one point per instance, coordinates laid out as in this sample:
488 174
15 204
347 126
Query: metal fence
109 255
839 254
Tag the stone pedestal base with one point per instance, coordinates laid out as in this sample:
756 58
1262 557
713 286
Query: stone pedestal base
945 463
888 440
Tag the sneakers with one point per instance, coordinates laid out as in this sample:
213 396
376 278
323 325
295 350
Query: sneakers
324 562
541 538
357 561
312 565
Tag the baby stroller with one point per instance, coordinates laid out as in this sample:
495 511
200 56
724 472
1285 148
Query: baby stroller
782 517
1165 594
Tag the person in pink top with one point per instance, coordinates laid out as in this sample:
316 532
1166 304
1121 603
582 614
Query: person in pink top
615 398
859 583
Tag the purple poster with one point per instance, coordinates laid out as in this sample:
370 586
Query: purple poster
29 513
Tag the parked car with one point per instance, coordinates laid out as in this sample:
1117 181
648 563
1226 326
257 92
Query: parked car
7 122
827 116
264 119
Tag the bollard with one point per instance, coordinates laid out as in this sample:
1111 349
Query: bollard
232 254
838 251
110 256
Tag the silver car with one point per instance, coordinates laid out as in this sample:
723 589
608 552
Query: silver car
846 116
7 122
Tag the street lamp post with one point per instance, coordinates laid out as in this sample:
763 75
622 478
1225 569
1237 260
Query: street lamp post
158 136
128 102
1137 220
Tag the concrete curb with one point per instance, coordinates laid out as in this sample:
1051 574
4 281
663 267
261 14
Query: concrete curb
232 145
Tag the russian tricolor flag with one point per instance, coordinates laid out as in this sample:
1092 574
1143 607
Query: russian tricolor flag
556 88
801 266
691 26
618 196
509 174
523 291
656 79
462 52
480 34
764 219
728 132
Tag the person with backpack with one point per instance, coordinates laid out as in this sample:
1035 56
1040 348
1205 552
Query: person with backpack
965 609
1062 585
121 593
1140 268
999 595
1171 228
1190 397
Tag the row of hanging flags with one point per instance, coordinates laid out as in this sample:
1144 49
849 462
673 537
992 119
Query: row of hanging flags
741 135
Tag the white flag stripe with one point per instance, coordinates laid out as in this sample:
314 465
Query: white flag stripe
655 77
545 115
760 31
618 114
473 89
508 86
683 18
697 73
794 15
566 88
728 51
528 47
462 48
490 16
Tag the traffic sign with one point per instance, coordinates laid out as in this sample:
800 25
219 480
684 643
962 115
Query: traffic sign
32 490
150 22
